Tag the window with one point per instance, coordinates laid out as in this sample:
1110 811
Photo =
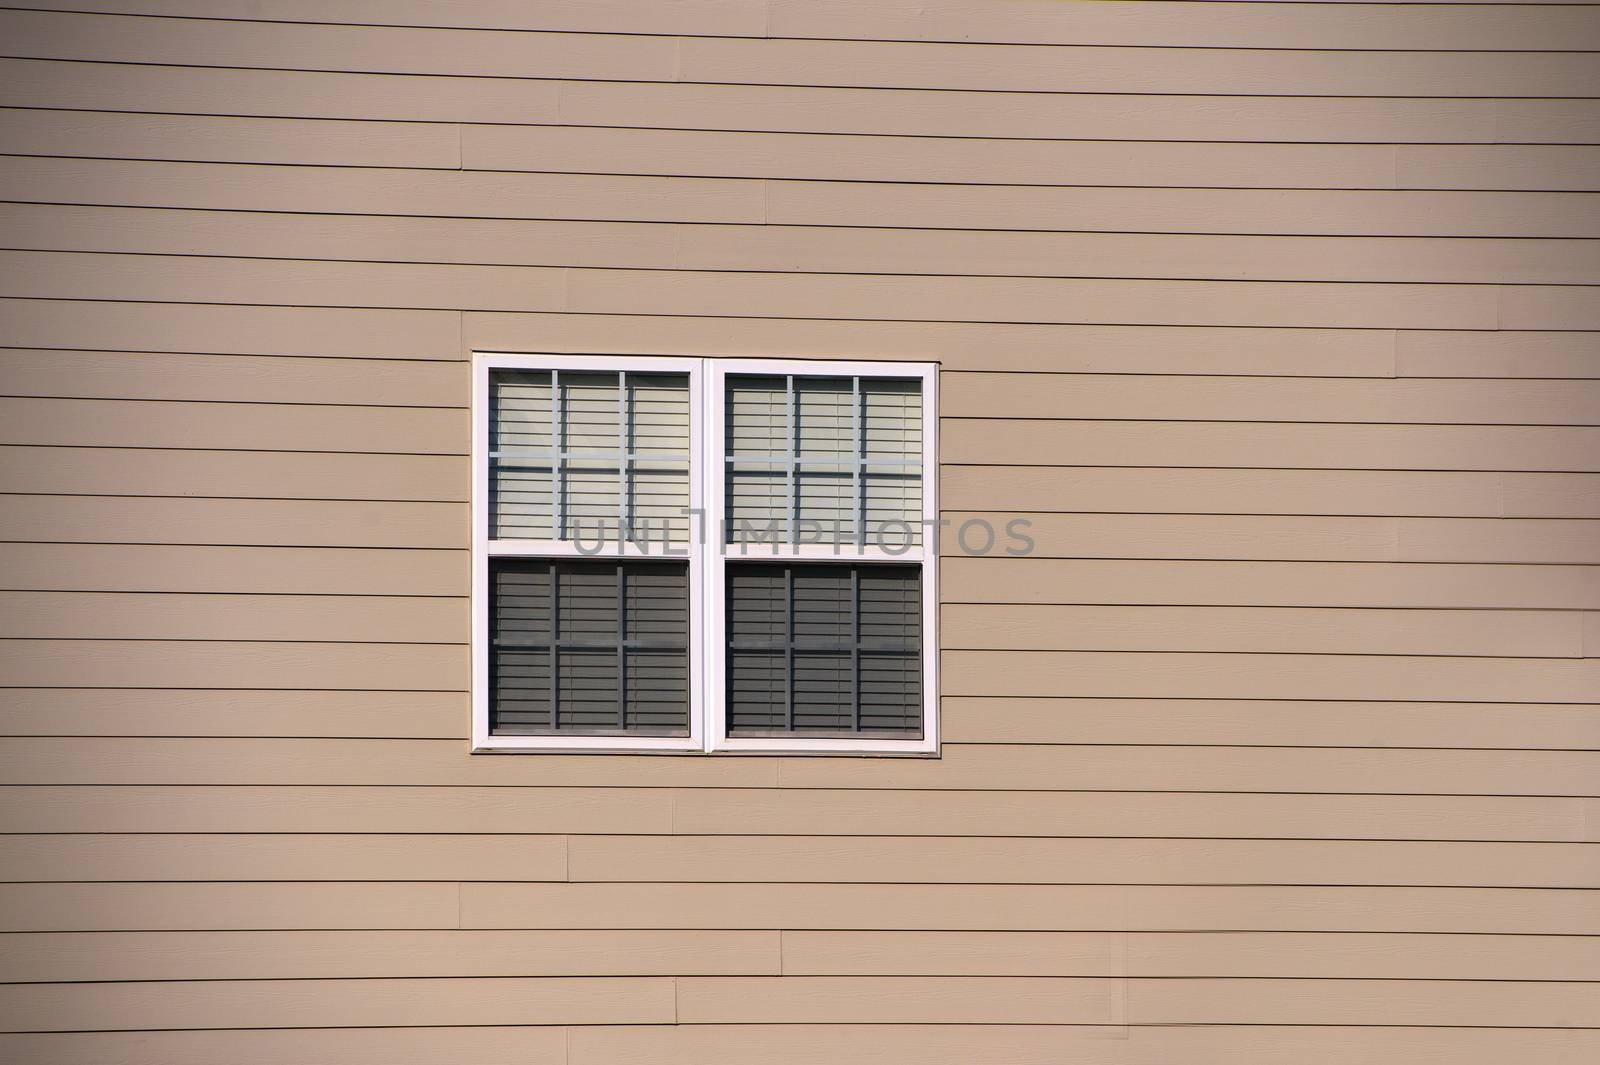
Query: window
704 555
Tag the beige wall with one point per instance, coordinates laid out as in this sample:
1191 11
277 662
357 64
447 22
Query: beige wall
1271 316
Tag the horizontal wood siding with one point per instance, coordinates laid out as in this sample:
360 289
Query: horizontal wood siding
1273 325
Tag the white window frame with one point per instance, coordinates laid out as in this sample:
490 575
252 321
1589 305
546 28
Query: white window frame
707 556
924 553
485 549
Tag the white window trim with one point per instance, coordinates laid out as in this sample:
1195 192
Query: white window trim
922 553
484 548
707 557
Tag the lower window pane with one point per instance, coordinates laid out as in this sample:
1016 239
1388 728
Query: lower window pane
824 649
588 647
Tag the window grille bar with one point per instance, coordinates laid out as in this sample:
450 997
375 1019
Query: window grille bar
788 648
855 647
542 457
558 472
622 653
590 645
555 648
843 460
624 463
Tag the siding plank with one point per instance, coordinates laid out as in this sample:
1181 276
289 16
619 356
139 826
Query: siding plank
1165 24
227 139
795 249
895 860
102 956
1376 493
1285 538
783 109
1277 445
1258 630
1280 676
231 664
436 763
241 522
1112 768
997 579
102 567
887 812
929 1000
1042 300
1240 69
993 907
803 1044
979 394
290 331
1226 23
315 1004
988 161
239 378
453 953
350 1046
52 422
766 811
1062 1045
170 712
86 907
1266 722
103 857
1060 348
814 1000
231 474
644 198
1466 1003
292 618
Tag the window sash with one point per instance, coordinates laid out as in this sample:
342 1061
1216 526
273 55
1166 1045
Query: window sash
708 555
720 554
554 613
486 547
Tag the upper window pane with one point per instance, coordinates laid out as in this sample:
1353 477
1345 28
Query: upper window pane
824 459
589 455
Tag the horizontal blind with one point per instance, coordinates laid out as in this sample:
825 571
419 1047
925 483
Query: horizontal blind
522 447
824 648
835 459
589 455
891 449
589 647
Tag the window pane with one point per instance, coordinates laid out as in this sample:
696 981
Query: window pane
835 457
589 647
589 455
758 416
523 448
826 505
824 649
892 447
824 417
